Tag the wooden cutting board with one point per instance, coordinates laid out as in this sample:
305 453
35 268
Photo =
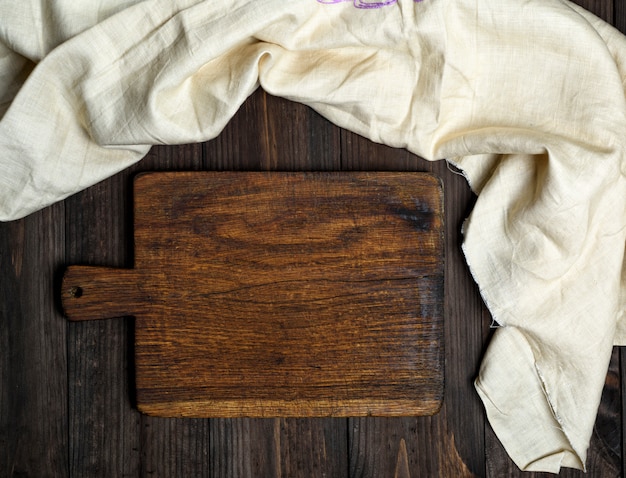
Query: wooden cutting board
279 294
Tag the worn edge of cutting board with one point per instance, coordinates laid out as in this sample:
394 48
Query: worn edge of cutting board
96 292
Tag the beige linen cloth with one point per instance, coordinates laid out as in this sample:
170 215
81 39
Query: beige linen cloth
526 97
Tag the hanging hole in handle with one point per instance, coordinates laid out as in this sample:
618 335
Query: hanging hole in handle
76 292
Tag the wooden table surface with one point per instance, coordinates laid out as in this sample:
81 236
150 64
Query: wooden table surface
66 389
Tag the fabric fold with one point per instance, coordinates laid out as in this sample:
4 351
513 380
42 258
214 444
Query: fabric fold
551 449
525 97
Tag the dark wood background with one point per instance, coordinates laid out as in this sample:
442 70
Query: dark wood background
66 389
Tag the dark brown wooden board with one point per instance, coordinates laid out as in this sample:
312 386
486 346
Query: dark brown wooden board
280 294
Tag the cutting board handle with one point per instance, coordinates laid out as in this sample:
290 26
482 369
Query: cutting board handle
91 293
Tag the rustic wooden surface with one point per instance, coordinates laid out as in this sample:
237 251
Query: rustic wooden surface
66 407
270 294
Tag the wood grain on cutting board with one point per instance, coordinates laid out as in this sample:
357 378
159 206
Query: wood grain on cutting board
280 294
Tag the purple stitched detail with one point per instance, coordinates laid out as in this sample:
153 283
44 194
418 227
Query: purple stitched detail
365 3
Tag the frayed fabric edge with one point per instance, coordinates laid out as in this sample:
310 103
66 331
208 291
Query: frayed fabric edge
490 406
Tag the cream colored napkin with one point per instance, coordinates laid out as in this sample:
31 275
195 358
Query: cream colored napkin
526 97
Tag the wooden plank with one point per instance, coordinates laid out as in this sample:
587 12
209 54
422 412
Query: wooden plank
245 145
33 367
468 326
387 447
274 134
457 432
310 448
323 291
103 425
242 447
170 447
390 447
602 8
175 447
105 428
606 444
